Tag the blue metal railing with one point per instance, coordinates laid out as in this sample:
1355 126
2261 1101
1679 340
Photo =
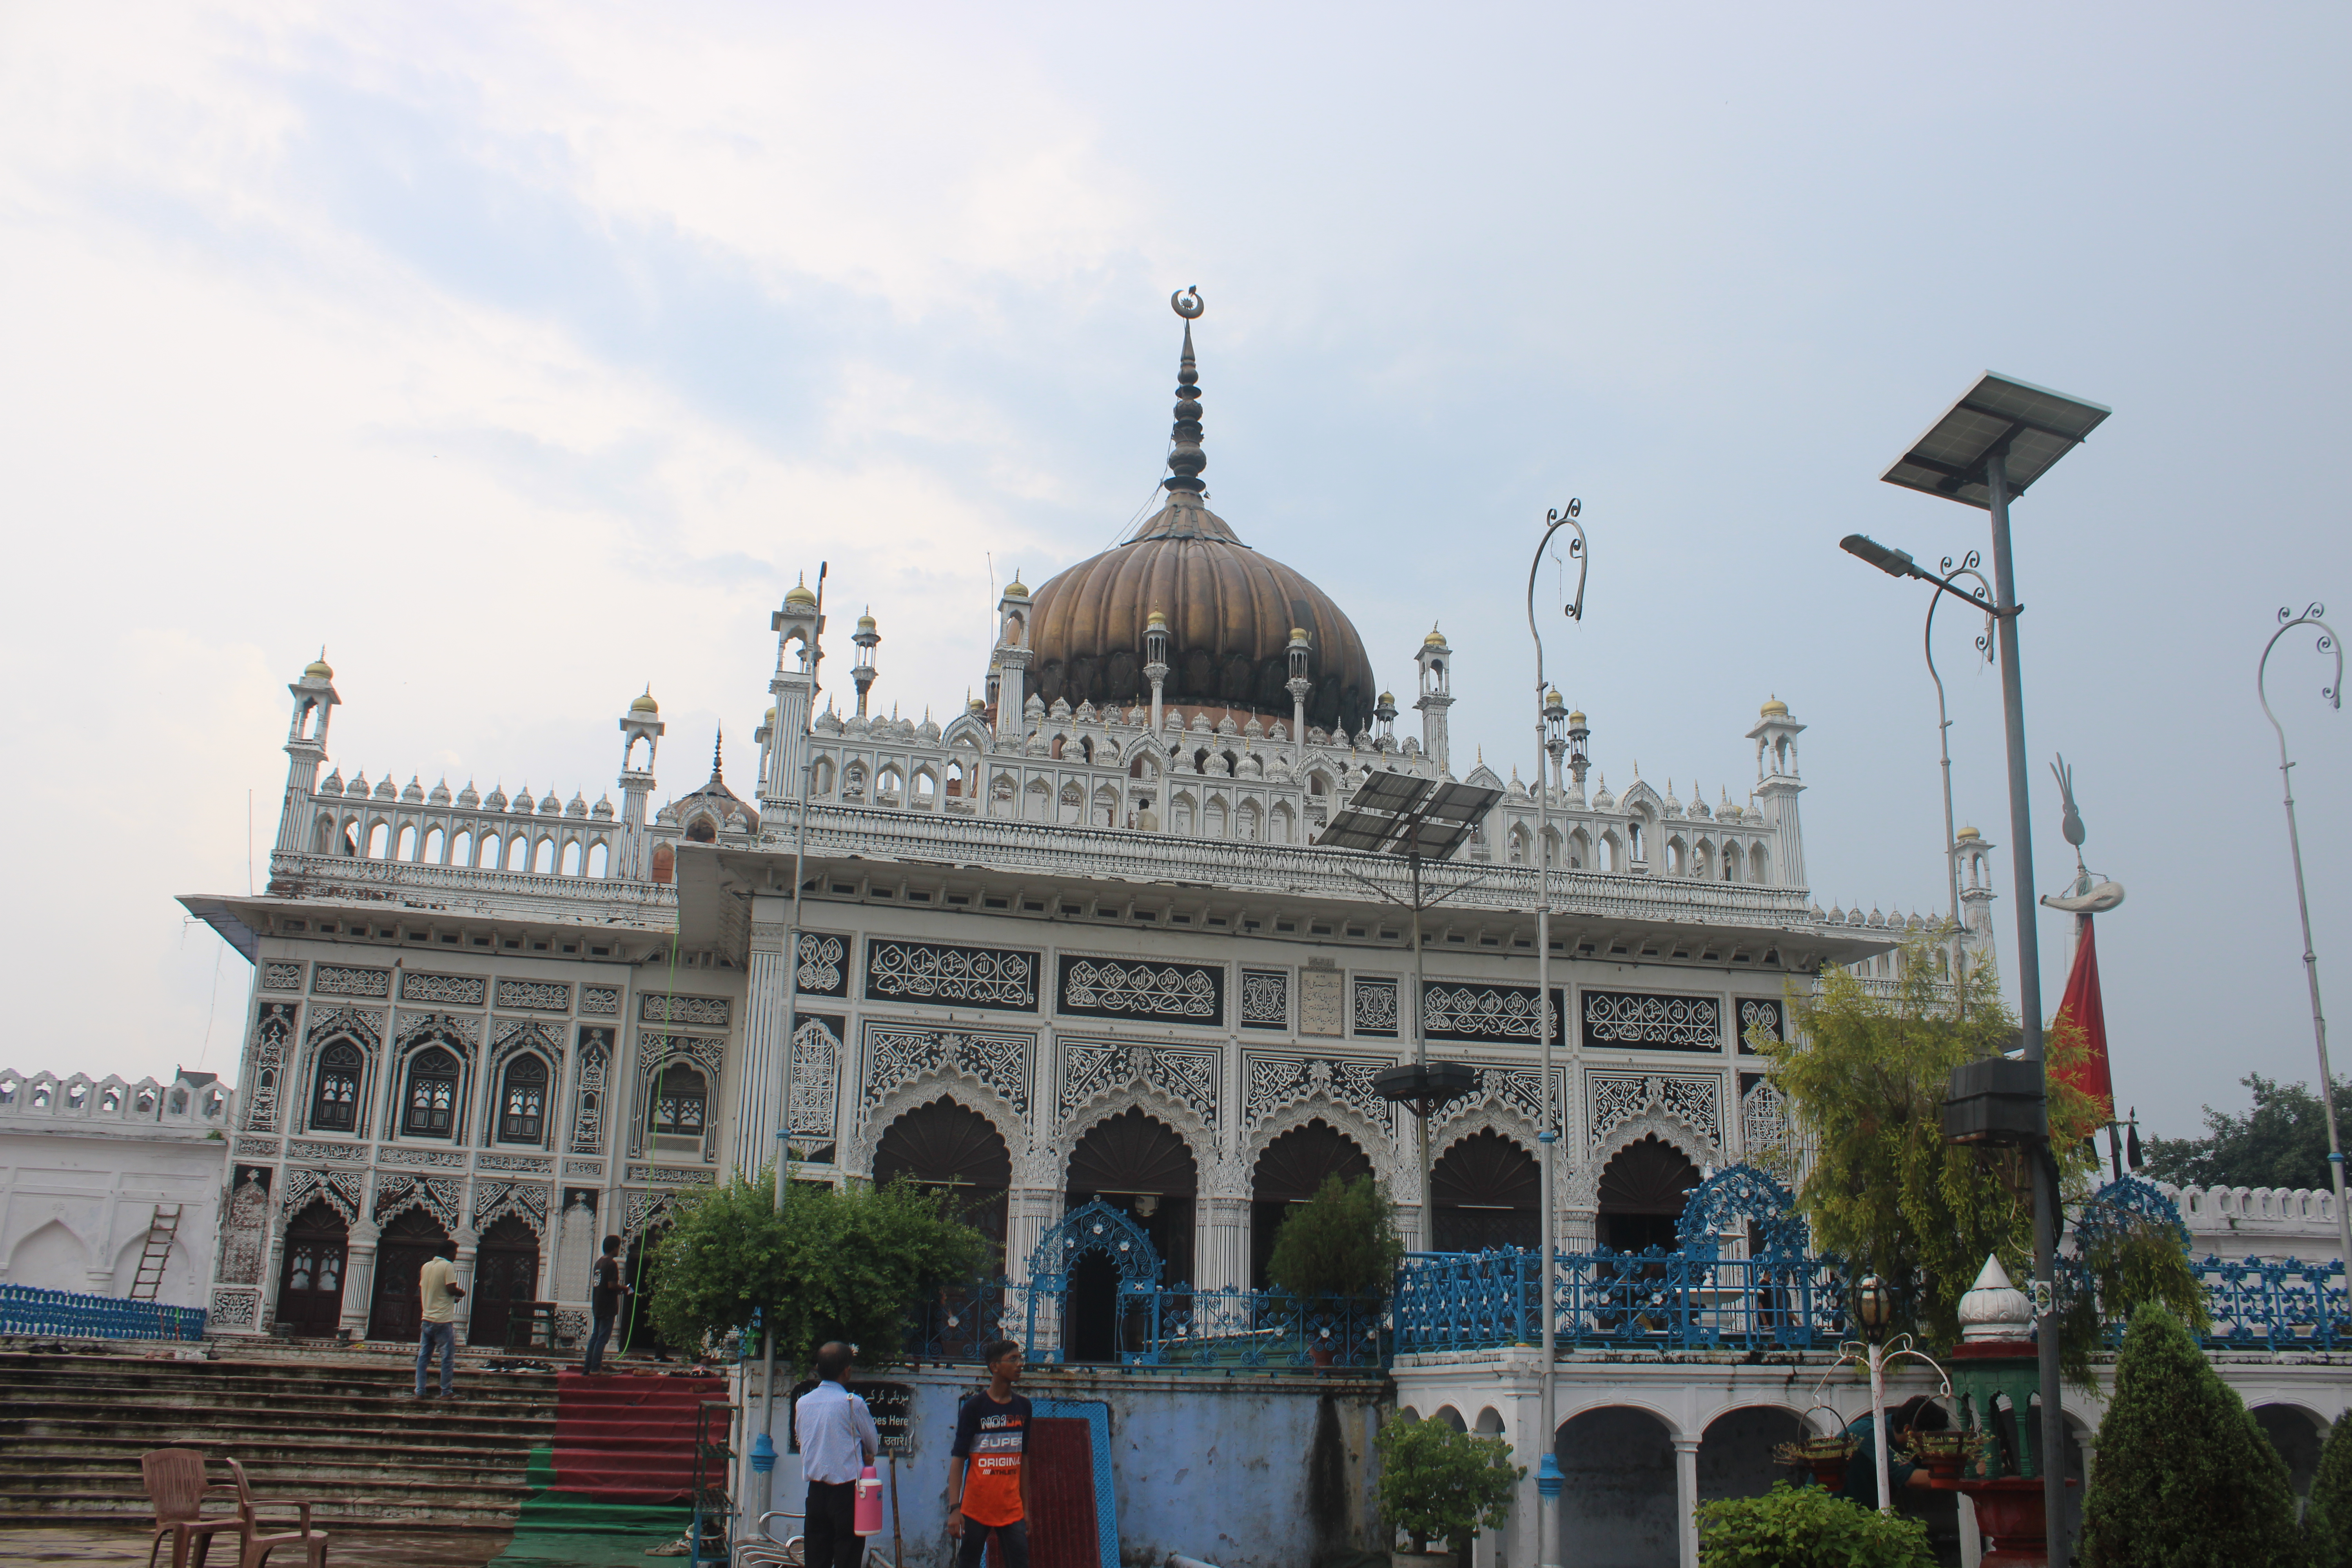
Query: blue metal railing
27 1311
2283 1305
1152 1326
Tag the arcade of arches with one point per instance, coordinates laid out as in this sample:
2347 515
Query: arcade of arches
1643 1189
943 1147
1293 1168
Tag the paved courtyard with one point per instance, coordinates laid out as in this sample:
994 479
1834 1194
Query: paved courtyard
114 1544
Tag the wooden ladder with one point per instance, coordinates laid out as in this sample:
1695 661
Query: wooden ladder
158 1248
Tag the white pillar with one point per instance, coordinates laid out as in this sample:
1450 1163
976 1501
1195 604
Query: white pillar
1220 1244
1971 1537
1686 1498
767 1026
463 1315
359 1276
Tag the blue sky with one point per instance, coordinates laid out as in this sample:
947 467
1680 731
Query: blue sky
524 354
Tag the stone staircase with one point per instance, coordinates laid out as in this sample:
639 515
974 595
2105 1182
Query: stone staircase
336 1427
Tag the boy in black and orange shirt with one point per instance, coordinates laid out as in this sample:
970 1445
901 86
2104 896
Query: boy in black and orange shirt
987 1485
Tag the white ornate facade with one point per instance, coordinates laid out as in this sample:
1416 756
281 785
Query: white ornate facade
550 1017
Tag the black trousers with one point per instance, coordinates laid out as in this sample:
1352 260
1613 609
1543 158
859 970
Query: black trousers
1012 1544
833 1541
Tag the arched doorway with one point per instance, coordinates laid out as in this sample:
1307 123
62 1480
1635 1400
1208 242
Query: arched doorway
310 1282
1734 1456
1617 1501
944 1147
403 1250
1293 1168
1136 1163
506 1270
1485 1192
1642 1189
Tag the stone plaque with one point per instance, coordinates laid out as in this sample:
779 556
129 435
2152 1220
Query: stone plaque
1322 1008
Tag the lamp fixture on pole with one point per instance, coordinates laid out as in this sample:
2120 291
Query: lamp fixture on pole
2333 692
1552 738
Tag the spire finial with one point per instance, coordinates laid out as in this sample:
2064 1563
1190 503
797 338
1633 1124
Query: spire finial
718 745
1186 461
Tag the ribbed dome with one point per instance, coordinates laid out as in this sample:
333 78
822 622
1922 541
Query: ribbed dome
1229 611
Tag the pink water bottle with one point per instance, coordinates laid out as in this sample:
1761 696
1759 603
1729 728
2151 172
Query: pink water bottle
870 1503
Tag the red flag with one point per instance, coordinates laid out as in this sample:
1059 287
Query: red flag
2083 1005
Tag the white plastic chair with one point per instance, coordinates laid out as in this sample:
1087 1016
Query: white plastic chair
763 1549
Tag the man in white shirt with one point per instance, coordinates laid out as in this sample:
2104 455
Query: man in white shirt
440 1295
837 1440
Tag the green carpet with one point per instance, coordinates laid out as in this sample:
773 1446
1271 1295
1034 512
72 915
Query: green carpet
563 1530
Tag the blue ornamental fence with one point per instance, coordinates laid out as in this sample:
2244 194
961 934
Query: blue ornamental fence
1774 1293
27 1312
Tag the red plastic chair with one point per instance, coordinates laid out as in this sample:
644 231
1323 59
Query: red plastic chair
176 1485
255 1539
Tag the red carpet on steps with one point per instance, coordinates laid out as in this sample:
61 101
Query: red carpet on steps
628 1439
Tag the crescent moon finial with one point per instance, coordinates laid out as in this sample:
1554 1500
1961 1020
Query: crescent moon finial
1186 303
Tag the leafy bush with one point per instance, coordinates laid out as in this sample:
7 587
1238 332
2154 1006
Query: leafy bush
2328 1521
1805 1527
1341 1242
1867 1079
1438 1484
840 1263
2185 1478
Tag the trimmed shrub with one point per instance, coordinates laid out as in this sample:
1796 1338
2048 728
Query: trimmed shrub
1341 1242
1805 1527
2185 1479
2328 1521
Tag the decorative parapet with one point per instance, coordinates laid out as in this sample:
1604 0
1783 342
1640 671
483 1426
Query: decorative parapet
76 1102
521 893
27 1311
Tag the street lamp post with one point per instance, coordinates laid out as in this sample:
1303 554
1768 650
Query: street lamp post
1551 745
2333 692
2002 436
1966 568
1874 1309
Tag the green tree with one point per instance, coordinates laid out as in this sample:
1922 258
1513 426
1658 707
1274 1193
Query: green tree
2185 1478
1866 1079
1341 1242
1805 1527
2327 1520
1438 1484
2280 1141
840 1263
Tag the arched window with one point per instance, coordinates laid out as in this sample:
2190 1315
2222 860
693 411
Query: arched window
1633 839
546 858
379 840
702 830
431 1101
434 843
679 1102
570 861
523 1101
488 856
600 859
322 836
335 1091
1759 867
407 850
821 781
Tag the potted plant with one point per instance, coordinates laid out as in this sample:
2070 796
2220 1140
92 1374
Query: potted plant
1945 1455
1340 1245
1824 1457
1438 1484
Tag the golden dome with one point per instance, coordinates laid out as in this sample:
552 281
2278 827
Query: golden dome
798 594
1434 639
1158 618
1969 833
645 704
1015 589
866 623
1576 717
1776 708
319 669
1388 698
772 715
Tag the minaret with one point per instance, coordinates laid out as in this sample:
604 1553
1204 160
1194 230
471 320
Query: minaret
862 672
1298 685
1009 663
641 724
1777 788
1580 758
1155 670
794 691
1976 896
306 745
1436 695
1385 714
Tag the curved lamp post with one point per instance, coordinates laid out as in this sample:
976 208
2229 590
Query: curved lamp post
1966 568
1551 742
2333 692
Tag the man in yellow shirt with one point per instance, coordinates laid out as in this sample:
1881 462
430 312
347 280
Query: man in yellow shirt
440 1294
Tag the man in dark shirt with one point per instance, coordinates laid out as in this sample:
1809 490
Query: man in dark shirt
988 1477
604 1302
1917 1414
